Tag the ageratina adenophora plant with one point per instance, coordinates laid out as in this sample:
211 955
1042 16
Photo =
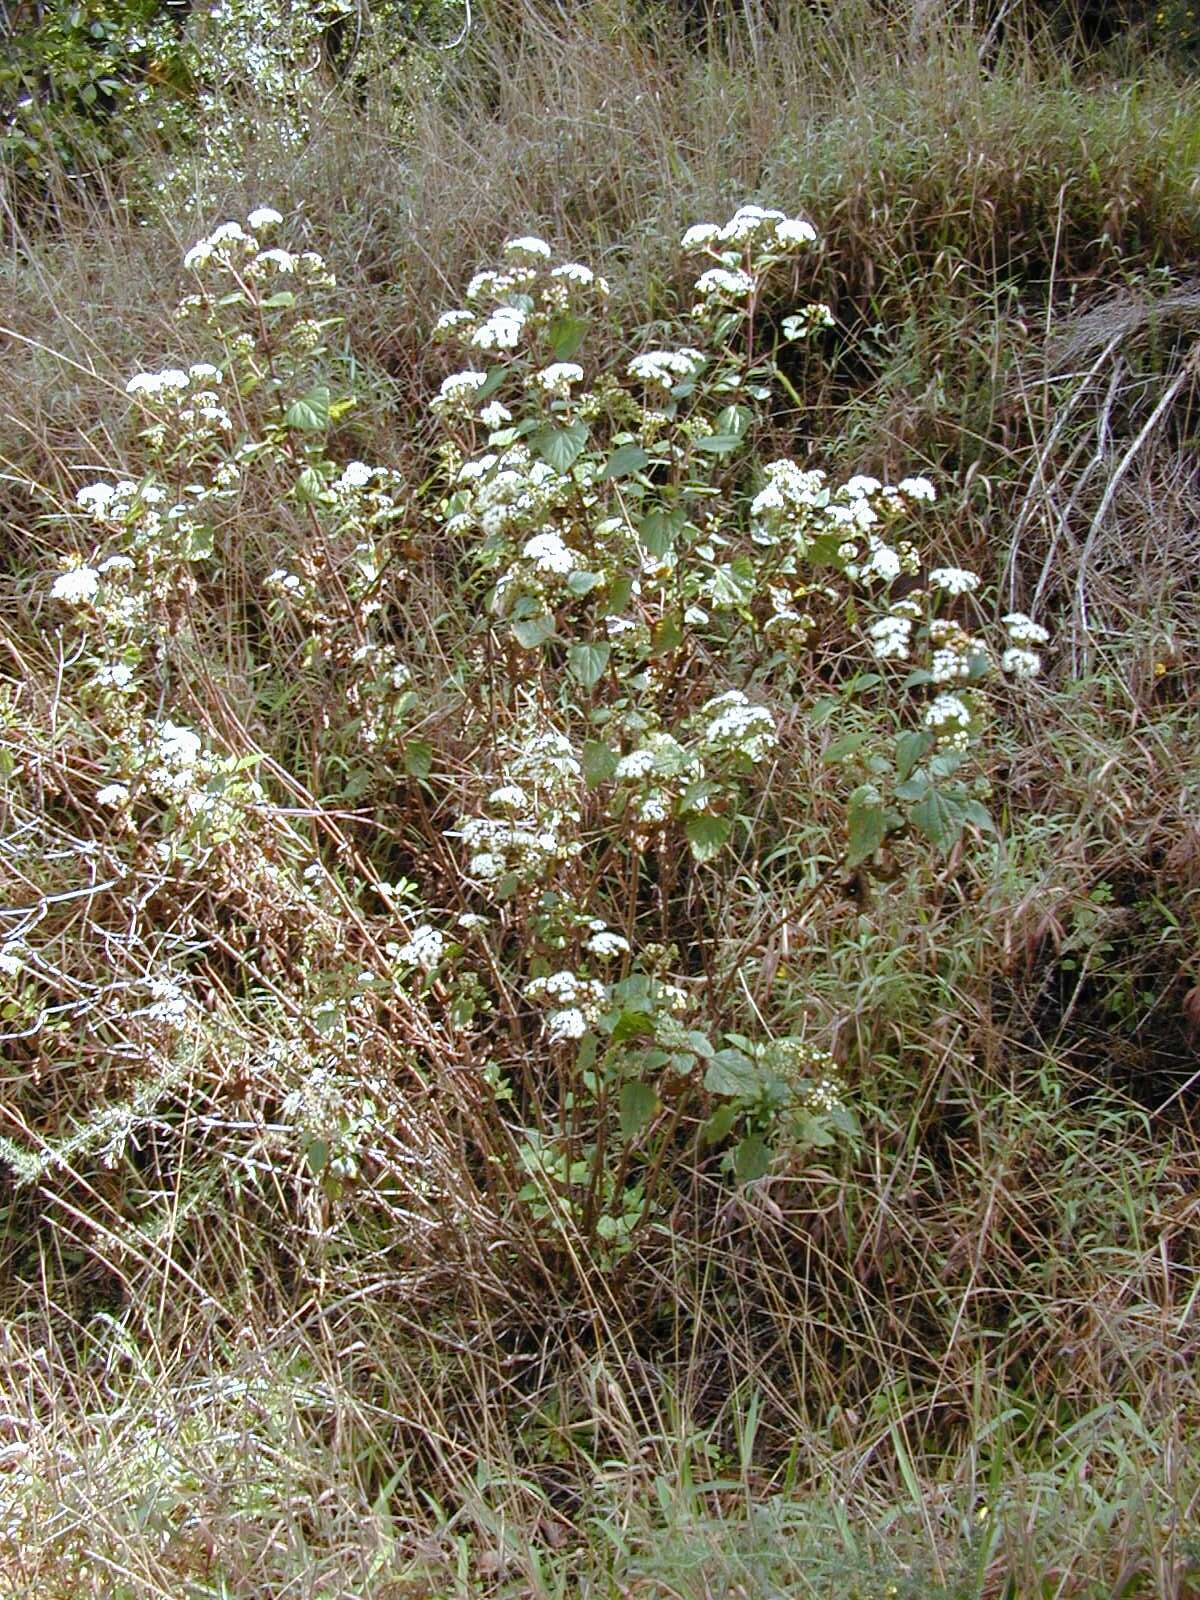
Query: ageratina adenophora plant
653 606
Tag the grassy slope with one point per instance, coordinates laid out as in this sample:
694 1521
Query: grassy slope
958 1361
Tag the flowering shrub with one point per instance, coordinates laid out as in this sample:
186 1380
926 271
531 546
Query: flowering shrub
652 608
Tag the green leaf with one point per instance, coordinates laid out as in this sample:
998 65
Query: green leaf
733 584
561 447
418 758
310 487
940 816
720 1125
658 530
979 815
632 1025
620 591
638 1101
910 747
624 461
530 632
310 413
581 583
730 1072
751 1159
866 822
913 788
706 835
281 301
566 335
599 763
718 444
586 663
666 635
317 1156
845 746
734 420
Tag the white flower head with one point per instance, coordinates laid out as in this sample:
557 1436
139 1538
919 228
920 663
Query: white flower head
113 794
1021 663
494 415
606 945
699 235
954 580
1022 630
178 746
77 586
528 245
501 331
736 284
558 377
263 217
575 272
917 489
567 1024
549 554
424 948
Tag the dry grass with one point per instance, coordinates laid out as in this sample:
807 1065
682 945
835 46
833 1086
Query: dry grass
957 1358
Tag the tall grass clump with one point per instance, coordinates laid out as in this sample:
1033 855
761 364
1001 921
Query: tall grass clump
599 820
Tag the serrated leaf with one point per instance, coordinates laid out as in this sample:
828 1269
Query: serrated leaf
418 758
637 1104
581 583
910 747
734 420
939 816
979 815
730 1072
567 333
706 835
751 1159
586 663
912 788
599 763
667 634
624 461
658 530
560 447
845 746
531 632
720 1125
310 413
866 824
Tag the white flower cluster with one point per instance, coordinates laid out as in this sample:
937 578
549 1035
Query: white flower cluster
664 368
954 650
1019 660
752 225
424 947
948 718
734 726
572 1003
538 806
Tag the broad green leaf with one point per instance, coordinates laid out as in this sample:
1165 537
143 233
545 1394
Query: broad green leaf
533 631
733 584
940 816
279 302
581 583
310 413
566 335
732 1073
910 747
751 1159
310 487
718 444
418 758
866 823
586 663
624 461
706 835
845 746
638 1101
666 635
658 530
720 1125
979 815
560 447
619 592
599 763
317 1156
734 420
